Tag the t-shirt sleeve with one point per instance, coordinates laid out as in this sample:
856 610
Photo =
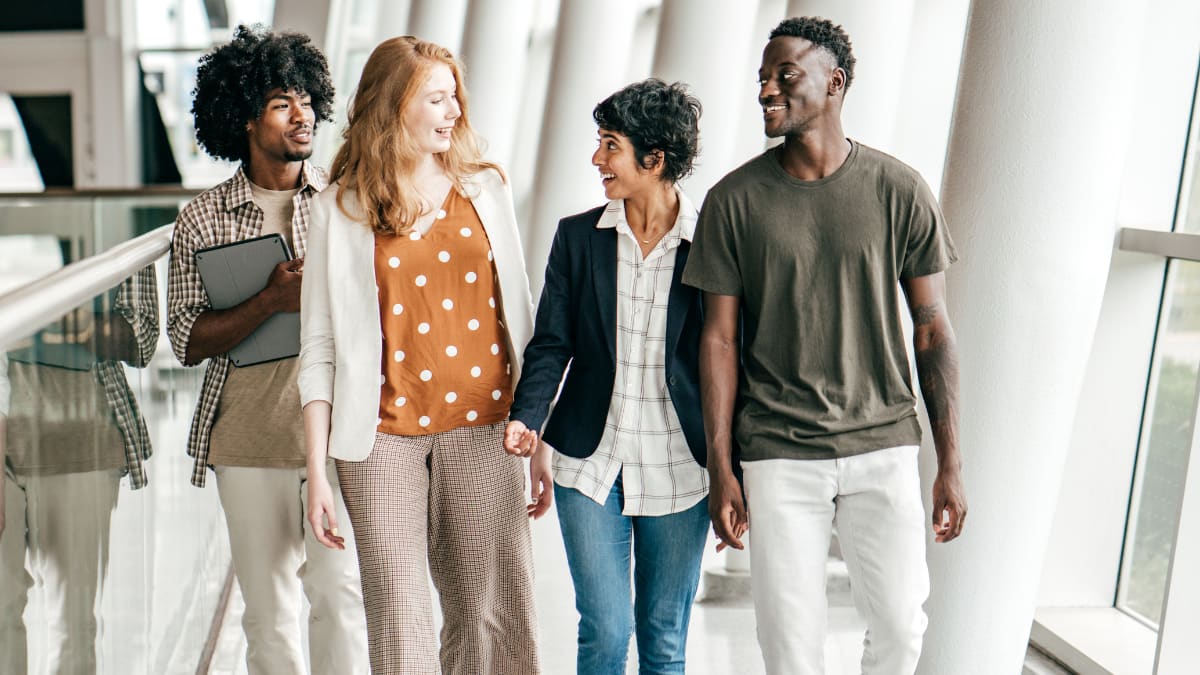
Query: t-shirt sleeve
712 264
928 249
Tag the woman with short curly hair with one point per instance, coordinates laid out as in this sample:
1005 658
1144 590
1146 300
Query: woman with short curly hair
626 436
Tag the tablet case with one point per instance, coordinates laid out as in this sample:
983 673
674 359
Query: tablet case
233 273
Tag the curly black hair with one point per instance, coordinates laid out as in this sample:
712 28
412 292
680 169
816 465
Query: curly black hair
655 115
232 82
822 33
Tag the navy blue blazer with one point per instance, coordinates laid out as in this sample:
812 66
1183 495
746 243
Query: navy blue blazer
576 326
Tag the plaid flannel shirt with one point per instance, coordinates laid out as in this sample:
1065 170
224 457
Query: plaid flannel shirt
221 215
137 302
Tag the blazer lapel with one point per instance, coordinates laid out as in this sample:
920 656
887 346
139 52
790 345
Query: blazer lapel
677 301
604 276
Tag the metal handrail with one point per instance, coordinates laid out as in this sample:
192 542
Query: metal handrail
27 308
1178 245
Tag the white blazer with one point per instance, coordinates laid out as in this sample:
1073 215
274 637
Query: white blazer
340 346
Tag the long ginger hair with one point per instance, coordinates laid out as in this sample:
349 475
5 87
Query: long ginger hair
379 156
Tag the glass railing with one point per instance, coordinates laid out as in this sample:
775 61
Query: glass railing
110 561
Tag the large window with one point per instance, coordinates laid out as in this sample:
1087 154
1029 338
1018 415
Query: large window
1168 417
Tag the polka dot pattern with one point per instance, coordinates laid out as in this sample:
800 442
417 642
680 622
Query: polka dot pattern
442 331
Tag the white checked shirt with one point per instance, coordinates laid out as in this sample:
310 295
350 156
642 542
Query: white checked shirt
642 440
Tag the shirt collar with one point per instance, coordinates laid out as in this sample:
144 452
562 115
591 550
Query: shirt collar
685 222
311 179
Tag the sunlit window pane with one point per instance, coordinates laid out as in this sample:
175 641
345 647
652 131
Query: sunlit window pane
1166 436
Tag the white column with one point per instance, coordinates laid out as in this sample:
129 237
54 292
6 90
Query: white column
879 35
109 154
315 18
722 78
495 47
749 130
1030 192
591 46
439 21
391 19
926 98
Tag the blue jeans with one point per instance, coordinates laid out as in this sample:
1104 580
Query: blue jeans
666 570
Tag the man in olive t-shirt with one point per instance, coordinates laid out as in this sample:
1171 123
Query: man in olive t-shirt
805 245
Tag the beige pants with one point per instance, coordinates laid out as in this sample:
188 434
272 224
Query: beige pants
274 558
63 521
456 500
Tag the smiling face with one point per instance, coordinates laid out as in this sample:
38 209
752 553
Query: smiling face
430 115
620 172
799 86
284 130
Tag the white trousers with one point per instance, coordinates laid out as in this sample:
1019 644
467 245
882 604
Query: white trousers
63 521
875 500
275 558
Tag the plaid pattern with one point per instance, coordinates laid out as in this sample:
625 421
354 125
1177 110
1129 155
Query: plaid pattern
642 439
456 500
223 214
137 302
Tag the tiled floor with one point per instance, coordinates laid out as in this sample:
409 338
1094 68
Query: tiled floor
721 640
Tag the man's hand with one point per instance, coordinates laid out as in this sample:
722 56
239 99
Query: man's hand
519 439
541 482
727 510
283 286
949 504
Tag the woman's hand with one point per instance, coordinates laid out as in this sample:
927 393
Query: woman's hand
541 482
321 509
519 439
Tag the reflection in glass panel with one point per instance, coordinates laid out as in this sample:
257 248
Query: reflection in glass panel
1166 438
109 562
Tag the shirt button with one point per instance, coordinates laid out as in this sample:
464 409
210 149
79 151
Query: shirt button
671 380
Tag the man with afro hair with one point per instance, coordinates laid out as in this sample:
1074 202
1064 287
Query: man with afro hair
804 369
257 102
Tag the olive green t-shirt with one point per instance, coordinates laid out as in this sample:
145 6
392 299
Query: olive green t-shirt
816 263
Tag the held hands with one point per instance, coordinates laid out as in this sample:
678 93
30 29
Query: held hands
949 505
519 439
727 510
320 510
283 286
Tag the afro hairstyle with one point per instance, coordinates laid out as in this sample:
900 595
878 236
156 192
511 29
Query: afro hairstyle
822 33
232 82
655 115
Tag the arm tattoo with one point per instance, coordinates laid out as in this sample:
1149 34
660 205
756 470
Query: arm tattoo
923 315
937 368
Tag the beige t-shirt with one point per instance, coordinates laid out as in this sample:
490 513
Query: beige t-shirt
59 422
258 417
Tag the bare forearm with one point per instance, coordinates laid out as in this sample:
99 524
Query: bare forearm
937 369
718 392
217 331
317 416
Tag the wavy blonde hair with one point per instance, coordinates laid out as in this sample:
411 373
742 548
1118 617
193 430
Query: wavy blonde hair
379 155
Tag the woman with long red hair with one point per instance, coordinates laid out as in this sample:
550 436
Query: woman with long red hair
415 311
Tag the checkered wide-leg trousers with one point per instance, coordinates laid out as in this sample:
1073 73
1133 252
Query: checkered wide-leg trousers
456 500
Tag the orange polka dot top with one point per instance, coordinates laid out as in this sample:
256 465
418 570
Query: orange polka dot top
445 360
